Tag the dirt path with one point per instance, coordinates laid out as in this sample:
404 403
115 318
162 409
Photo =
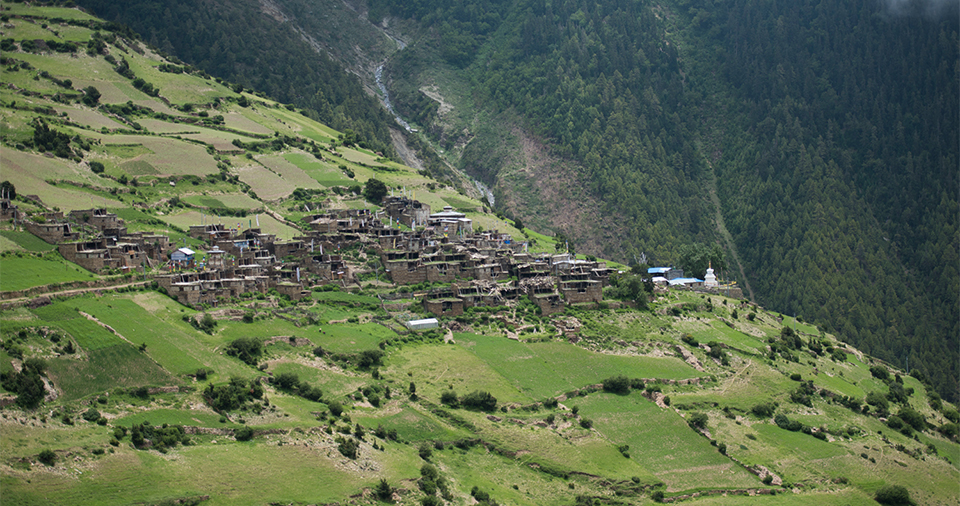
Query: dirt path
722 228
69 293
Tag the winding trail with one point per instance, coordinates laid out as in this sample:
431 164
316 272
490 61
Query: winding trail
722 228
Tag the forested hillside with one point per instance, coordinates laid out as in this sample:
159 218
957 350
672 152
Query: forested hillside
829 128
850 158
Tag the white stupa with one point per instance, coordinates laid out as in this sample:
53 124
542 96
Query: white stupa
710 280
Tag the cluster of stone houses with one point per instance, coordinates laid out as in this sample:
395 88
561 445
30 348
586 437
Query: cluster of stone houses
97 240
484 268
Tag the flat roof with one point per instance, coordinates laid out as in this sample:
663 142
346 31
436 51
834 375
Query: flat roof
425 321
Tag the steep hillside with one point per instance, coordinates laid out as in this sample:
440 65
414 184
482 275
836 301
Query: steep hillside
123 395
828 127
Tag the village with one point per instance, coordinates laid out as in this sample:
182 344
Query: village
472 268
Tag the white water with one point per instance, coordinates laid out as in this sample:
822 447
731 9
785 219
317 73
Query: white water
385 97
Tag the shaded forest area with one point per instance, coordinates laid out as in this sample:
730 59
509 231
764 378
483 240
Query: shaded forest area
236 41
842 195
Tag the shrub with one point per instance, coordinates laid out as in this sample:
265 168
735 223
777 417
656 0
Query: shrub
349 448
335 407
480 400
893 495
243 434
91 415
586 423
425 451
765 410
879 372
247 349
698 420
47 457
617 384
449 397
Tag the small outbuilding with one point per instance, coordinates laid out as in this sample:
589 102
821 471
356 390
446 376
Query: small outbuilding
425 324
183 256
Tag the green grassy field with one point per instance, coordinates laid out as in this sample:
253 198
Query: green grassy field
27 241
21 272
104 369
684 460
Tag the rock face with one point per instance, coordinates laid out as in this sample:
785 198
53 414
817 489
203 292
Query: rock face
690 358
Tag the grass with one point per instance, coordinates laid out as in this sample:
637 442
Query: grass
346 297
662 442
411 424
168 416
139 326
27 241
264 182
547 369
89 335
105 369
230 473
19 272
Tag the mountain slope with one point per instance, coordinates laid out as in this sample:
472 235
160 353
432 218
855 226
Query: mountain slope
698 394
836 165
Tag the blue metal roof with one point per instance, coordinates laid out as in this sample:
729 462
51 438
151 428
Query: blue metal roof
658 270
684 281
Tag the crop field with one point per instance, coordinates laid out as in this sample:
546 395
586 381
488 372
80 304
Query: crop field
268 224
548 369
27 241
306 127
46 12
437 368
845 497
683 459
90 119
30 171
717 331
324 173
223 201
243 121
170 156
461 204
89 335
351 337
288 171
19 272
345 297
104 369
411 424
333 383
497 475
563 449
265 183
359 157
244 473
166 344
